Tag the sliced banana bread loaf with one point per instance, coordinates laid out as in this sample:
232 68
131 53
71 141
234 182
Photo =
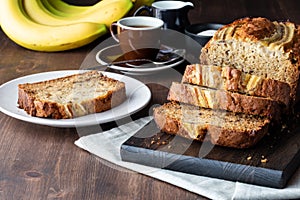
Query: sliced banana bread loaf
259 47
224 100
71 96
230 79
219 127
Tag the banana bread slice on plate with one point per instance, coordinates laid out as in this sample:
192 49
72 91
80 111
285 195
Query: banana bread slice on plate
71 96
219 127
224 100
234 80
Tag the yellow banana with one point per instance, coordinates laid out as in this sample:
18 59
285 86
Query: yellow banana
37 12
104 12
63 7
108 12
21 29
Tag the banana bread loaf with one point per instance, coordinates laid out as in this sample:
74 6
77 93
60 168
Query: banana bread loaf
247 76
224 100
259 47
219 127
234 80
71 96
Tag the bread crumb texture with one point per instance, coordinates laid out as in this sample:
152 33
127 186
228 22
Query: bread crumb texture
259 47
219 127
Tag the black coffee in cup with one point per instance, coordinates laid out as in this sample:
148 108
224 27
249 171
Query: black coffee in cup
139 37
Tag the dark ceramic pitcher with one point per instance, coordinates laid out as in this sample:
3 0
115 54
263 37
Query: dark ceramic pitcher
173 13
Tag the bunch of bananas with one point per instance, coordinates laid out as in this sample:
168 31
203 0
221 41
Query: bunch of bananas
47 25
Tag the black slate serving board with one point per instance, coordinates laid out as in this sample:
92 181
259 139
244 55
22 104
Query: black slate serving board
270 163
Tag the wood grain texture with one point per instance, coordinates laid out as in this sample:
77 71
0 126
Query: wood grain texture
40 162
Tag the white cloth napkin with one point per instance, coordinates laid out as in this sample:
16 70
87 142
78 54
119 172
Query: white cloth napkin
107 145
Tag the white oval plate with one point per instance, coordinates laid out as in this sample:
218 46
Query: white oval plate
138 96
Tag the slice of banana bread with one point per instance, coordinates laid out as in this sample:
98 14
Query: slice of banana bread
234 80
71 96
257 46
219 127
224 100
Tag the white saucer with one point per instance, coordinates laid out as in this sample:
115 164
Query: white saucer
138 96
111 53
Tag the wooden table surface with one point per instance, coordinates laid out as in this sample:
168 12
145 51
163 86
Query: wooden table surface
41 162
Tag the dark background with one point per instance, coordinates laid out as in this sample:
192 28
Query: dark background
210 10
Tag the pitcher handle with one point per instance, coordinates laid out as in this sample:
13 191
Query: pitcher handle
113 31
141 9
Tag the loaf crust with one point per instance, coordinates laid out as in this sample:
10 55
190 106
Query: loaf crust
220 128
224 100
234 80
259 47
71 96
